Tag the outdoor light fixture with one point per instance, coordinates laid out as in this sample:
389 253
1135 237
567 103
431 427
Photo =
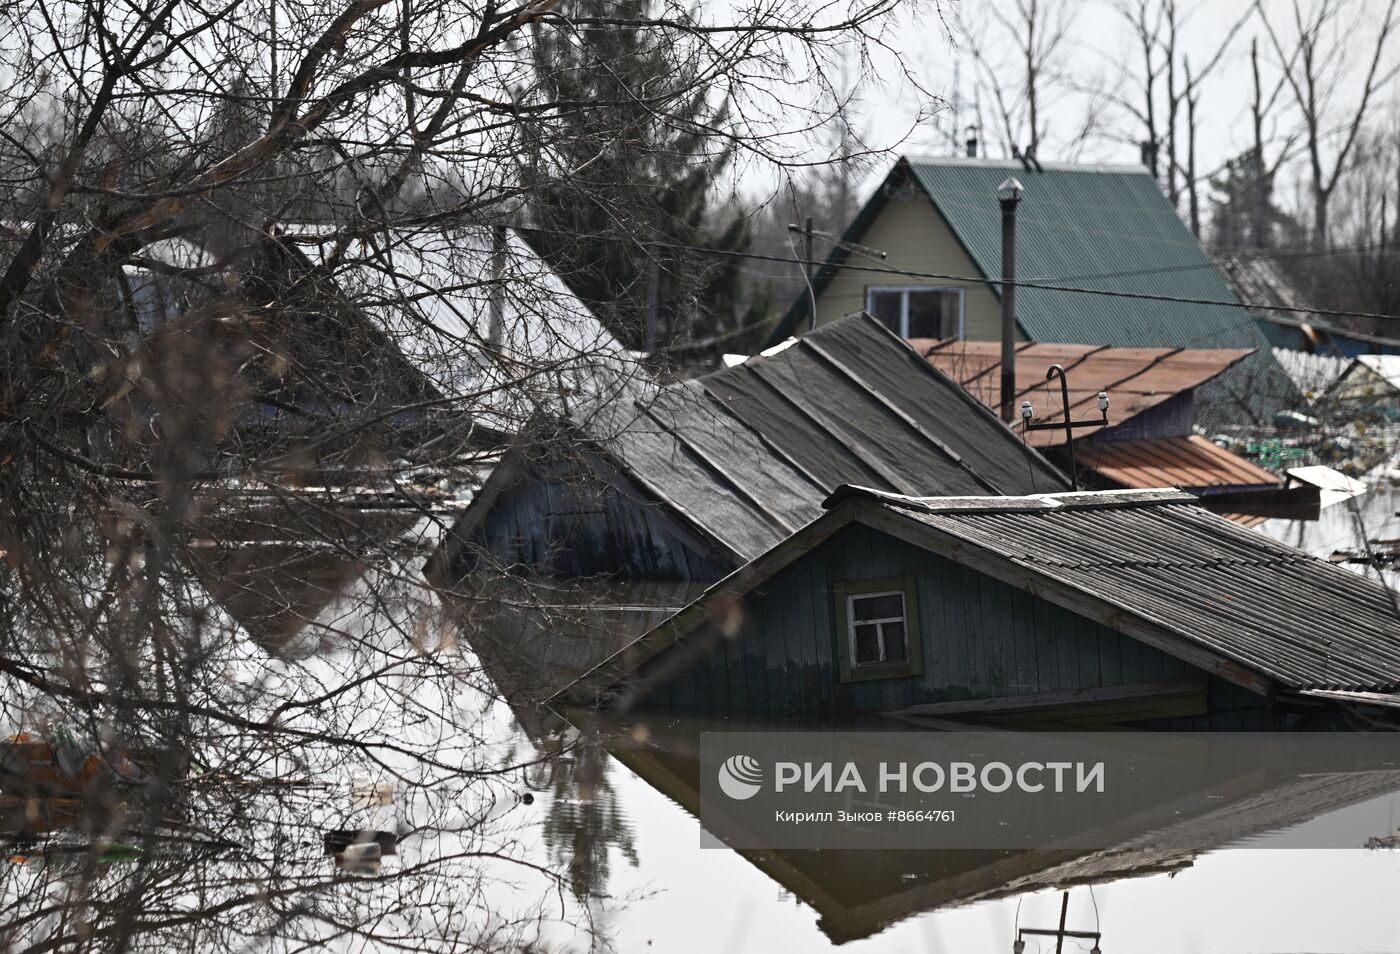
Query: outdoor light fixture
1027 412
1010 190
1103 406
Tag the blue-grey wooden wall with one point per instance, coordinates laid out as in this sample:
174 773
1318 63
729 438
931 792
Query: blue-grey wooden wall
566 520
981 639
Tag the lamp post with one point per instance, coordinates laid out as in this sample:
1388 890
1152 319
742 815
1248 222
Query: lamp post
1028 415
1009 195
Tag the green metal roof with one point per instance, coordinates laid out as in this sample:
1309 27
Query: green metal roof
1096 227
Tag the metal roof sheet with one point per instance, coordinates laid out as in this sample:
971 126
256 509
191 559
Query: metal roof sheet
1137 379
1299 620
747 454
852 403
1156 559
1102 228
1191 461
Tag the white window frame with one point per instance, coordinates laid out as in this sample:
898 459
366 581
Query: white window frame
904 290
879 625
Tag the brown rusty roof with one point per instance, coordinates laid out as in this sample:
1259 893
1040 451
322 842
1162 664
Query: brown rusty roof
1136 378
1187 462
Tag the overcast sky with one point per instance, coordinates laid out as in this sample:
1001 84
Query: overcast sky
1098 45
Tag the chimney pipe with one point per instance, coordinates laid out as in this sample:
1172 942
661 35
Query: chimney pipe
1148 154
1009 196
972 142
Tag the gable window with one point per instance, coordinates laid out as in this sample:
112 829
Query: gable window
917 311
877 629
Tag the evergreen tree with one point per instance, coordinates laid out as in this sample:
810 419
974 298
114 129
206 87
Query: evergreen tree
623 202
1244 213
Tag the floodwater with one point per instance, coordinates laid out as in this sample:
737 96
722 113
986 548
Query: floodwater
652 887
658 890
620 829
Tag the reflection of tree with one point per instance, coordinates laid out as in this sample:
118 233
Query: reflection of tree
259 319
586 822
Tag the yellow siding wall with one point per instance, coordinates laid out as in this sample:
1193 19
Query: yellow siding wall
916 238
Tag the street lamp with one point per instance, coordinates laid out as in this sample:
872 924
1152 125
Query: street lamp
1009 195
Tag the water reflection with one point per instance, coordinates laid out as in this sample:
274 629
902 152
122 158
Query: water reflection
860 894
586 823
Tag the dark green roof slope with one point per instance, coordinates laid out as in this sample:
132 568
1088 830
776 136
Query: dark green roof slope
1096 227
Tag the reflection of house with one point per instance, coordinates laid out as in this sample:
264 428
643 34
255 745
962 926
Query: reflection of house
859 892
1153 391
1104 607
1097 228
691 481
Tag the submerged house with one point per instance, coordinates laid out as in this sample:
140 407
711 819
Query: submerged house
1151 441
592 530
691 481
1086 609
340 346
1080 229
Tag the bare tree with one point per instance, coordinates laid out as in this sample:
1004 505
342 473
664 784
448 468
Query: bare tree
1021 51
1166 93
1317 62
264 325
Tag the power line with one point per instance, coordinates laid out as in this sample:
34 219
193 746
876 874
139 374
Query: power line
1278 256
982 280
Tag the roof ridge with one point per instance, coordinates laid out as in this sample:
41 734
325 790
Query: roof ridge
1067 500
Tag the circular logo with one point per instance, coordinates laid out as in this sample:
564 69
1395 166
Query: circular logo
740 777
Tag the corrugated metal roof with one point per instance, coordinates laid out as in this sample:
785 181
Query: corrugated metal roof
1100 227
1137 379
851 402
747 454
1151 561
1188 462
1299 620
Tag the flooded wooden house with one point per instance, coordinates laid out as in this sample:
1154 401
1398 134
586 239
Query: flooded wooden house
689 482
1104 227
1088 609
344 348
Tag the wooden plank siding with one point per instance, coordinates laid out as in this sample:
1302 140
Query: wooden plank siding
915 237
562 519
981 639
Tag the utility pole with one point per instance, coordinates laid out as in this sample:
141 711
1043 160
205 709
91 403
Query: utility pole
1009 195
